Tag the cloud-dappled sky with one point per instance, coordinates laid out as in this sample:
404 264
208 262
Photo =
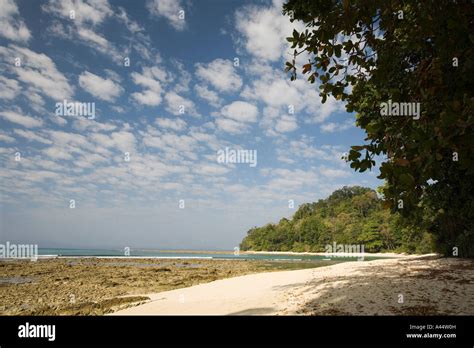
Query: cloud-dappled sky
172 83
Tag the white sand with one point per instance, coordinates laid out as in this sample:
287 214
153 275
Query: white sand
427 286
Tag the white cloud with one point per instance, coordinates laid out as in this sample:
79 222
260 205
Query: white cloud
279 92
181 76
177 105
277 120
90 160
61 121
264 30
12 26
286 179
37 102
131 25
231 126
221 74
150 79
286 123
210 96
332 127
240 111
147 97
333 173
6 138
89 14
303 148
39 71
169 9
83 123
275 90
176 124
123 141
57 153
206 169
97 41
322 111
174 146
286 100
9 88
26 121
105 89
92 12
262 33
74 141
29 135
234 117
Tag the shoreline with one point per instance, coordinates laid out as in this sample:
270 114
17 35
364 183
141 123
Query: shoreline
290 253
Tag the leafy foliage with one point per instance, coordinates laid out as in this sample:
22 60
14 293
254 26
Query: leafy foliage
351 215
365 52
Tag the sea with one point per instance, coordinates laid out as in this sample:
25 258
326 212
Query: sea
193 254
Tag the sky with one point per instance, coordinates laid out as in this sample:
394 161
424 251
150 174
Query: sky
168 85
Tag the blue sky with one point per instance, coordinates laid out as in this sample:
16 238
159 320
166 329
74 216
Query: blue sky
203 76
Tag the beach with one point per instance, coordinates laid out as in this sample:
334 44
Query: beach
100 285
398 285
425 285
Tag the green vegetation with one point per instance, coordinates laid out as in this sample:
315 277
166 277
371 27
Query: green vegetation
351 215
369 52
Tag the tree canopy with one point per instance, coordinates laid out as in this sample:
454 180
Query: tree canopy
369 52
351 215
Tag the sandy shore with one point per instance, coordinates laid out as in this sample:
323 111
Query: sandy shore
96 285
414 285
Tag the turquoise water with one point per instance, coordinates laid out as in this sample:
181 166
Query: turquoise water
192 255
